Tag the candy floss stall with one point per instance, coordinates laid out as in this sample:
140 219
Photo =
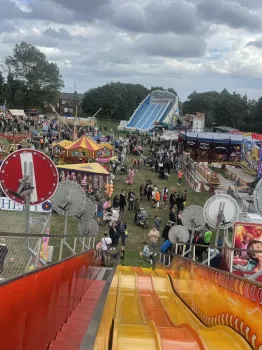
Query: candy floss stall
91 176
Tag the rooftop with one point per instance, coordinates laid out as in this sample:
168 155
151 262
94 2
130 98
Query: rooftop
214 136
71 96
225 128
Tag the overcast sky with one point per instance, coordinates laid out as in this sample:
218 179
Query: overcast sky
185 44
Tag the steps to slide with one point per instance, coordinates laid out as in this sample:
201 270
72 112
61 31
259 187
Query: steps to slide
147 314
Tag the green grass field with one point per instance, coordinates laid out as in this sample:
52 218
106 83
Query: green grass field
136 234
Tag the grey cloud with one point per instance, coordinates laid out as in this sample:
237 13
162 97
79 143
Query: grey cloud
7 27
173 46
250 4
177 16
86 9
9 10
229 13
47 10
257 43
61 33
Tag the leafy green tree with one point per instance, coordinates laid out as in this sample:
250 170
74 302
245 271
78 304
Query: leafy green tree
117 100
40 78
173 91
225 108
153 88
2 79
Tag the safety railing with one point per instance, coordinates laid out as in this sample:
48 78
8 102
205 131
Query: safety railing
244 205
20 253
211 252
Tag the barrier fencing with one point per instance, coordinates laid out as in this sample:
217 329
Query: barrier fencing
24 253
244 205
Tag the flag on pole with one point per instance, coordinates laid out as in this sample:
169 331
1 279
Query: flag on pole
5 109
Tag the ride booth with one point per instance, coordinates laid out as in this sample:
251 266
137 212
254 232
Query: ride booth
59 151
246 236
91 176
81 151
211 147
86 150
105 153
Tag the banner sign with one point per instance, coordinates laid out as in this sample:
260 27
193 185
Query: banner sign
248 236
8 204
255 136
160 101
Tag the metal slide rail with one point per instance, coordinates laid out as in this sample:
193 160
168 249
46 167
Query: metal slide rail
44 249
180 249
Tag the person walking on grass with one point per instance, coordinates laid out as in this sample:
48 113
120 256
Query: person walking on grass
153 236
131 199
122 201
179 175
146 254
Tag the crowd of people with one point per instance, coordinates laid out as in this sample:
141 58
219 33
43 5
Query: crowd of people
136 153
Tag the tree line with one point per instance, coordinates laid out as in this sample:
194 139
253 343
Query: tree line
225 108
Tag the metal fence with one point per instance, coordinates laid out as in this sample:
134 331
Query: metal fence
243 204
21 253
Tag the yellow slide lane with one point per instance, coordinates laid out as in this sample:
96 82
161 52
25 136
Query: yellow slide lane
128 323
217 337
130 329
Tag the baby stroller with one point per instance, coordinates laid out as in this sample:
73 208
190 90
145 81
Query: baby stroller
162 174
123 169
142 218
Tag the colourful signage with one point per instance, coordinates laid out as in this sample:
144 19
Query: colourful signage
248 236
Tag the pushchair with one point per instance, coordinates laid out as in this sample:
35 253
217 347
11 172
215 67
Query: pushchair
142 217
162 174
123 169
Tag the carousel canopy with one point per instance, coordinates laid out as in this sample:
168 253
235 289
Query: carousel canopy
107 145
63 143
94 168
84 143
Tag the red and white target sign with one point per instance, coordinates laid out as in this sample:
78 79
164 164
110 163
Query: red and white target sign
40 168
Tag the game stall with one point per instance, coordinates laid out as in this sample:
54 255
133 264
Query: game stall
213 147
88 175
59 151
105 154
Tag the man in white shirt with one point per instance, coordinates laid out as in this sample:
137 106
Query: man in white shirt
106 242
105 249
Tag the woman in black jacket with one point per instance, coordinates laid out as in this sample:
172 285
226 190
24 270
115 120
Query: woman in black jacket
131 199
122 201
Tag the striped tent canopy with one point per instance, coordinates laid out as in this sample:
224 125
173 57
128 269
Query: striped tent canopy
84 143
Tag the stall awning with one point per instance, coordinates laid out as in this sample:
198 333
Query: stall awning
84 143
94 168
